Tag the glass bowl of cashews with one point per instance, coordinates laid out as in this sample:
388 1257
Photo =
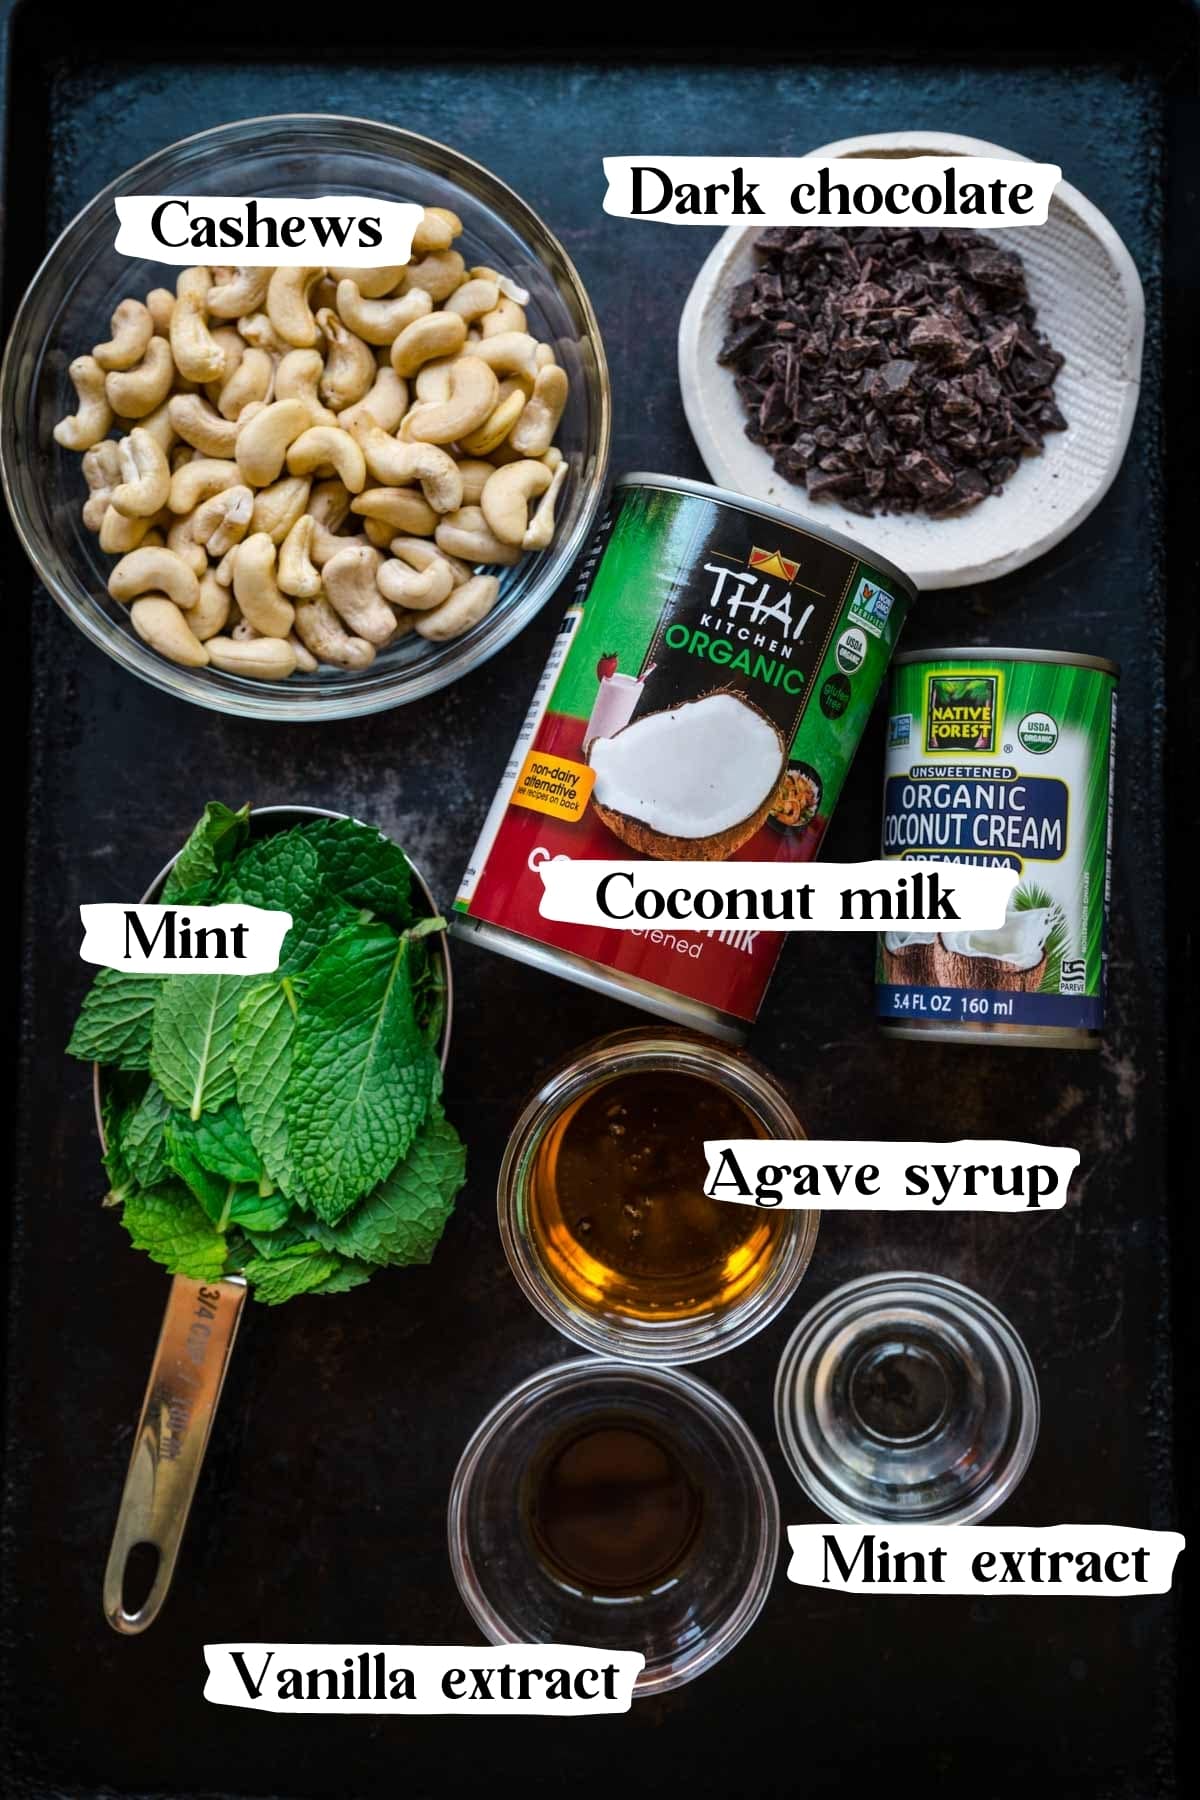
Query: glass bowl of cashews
307 493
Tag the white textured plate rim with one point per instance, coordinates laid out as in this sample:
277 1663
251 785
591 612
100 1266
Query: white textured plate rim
927 578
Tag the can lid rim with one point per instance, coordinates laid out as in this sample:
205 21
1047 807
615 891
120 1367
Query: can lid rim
1073 659
781 515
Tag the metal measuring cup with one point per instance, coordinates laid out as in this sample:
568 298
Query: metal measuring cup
192 1355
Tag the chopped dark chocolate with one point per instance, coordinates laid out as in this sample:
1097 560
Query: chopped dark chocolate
891 369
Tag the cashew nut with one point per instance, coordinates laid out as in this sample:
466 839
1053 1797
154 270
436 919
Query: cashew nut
350 367
500 421
118 534
259 332
93 417
418 553
466 606
351 590
474 299
102 472
255 588
433 379
200 424
437 230
132 328
160 304
330 503
466 533
233 350
306 662
371 283
276 508
386 402
534 431
211 611
399 509
223 521
243 293
540 530
199 480
474 391
439 273
135 392
197 356
506 496
325 449
474 474
504 317
157 571
145 476
296 573
165 629
380 321
436 334
298 377
158 424
251 383
402 585
288 309
263 658
509 353
320 629
180 540
263 443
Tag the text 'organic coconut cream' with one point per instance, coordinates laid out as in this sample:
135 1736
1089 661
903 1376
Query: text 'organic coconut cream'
1003 757
703 702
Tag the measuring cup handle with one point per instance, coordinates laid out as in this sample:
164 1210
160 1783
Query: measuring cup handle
186 1378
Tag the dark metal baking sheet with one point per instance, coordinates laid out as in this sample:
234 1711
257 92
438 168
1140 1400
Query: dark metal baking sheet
321 1514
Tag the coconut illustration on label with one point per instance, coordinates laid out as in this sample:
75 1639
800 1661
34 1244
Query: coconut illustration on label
692 783
694 709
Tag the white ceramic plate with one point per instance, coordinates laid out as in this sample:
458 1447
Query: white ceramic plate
1089 303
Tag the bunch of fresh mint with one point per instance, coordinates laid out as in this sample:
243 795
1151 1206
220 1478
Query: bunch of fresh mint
284 1126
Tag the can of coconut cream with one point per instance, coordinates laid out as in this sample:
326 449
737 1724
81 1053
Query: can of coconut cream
1004 758
703 701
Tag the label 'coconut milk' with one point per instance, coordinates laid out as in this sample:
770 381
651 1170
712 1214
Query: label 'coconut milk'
1003 757
703 702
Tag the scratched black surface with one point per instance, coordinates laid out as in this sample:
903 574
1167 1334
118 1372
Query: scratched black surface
321 1513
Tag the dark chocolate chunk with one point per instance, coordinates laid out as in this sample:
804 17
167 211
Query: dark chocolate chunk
891 368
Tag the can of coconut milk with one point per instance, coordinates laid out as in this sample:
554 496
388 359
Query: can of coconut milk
703 701
1003 758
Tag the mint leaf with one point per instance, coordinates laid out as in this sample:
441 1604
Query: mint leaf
403 1220
262 1061
116 1111
144 1138
170 1226
347 1275
288 1276
214 1192
223 1144
284 872
363 866
114 1022
213 844
362 1075
258 1212
191 1048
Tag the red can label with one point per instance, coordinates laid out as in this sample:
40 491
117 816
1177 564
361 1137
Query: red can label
703 701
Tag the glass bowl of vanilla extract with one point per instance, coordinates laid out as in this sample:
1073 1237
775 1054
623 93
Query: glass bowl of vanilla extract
619 1506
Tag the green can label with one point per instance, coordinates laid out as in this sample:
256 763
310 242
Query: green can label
704 700
1006 763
